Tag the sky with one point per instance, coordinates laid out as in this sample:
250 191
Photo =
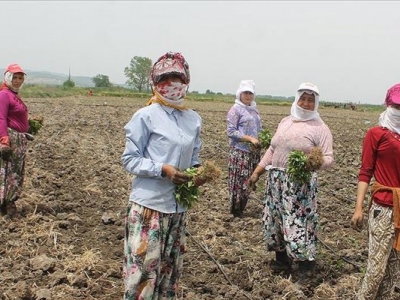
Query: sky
349 49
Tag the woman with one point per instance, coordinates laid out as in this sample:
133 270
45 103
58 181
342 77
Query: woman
13 124
290 210
243 126
162 140
380 159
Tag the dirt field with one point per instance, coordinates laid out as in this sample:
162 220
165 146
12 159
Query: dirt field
68 242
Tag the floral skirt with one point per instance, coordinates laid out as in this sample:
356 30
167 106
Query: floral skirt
12 171
290 215
154 249
241 165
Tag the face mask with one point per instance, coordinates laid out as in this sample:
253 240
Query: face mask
172 90
393 112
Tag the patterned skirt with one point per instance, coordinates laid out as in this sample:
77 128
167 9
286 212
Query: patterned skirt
241 165
154 249
290 215
383 268
12 171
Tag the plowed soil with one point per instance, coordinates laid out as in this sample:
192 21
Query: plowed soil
67 242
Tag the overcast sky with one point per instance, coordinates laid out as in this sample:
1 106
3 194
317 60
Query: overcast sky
349 49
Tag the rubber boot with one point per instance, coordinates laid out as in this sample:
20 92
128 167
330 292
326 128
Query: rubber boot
306 266
282 262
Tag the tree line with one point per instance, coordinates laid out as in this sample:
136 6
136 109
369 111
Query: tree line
138 74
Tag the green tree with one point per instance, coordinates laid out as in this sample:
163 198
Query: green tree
69 83
101 80
138 73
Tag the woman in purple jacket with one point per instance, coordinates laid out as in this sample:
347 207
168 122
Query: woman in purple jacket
13 126
243 126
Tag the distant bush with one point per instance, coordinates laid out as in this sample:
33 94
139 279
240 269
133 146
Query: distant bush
69 83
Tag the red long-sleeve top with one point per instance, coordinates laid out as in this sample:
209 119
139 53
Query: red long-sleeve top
13 114
381 160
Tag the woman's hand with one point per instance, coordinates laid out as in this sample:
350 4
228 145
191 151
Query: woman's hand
174 174
255 142
5 151
253 180
357 220
198 181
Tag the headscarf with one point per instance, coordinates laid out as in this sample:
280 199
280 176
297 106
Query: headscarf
8 77
393 95
170 63
390 119
301 114
170 94
246 86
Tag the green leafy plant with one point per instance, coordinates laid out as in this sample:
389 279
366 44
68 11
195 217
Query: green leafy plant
265 137
297 167
35 124
187 194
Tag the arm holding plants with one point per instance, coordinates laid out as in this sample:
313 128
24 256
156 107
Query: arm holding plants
250 139
174 174
356 220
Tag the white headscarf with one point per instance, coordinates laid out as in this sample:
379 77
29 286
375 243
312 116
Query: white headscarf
390 119
246 86
8 77
301 114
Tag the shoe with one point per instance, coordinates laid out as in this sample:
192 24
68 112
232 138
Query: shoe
279 266
307 266
3 209
281 263
11 208
237 214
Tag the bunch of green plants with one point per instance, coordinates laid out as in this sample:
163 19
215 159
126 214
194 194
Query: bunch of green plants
297 167
265 137
187 194
35 124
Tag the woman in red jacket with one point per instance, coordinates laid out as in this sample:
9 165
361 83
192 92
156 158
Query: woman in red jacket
381 160
13 126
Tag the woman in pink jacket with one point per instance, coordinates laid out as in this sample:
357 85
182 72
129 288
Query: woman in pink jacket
13 126
290 210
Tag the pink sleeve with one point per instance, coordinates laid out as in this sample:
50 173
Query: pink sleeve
4 102
267 158
326 144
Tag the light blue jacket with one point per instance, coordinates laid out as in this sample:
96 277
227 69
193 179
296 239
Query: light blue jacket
158 135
